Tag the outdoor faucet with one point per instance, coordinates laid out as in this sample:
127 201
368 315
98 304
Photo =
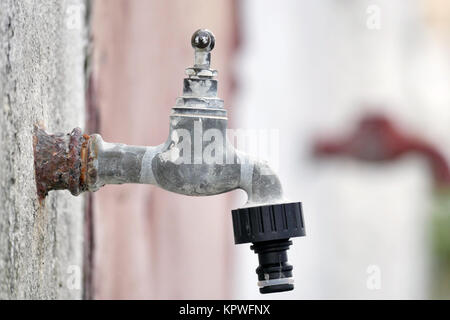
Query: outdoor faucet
196 160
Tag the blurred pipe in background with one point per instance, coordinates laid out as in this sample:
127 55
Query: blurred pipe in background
378 139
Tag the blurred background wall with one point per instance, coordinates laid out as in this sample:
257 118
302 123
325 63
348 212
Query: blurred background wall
304 68
312 66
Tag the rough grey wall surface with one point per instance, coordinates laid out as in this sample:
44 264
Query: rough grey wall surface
42 80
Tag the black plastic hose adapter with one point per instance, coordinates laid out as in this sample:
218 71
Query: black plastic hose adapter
269 228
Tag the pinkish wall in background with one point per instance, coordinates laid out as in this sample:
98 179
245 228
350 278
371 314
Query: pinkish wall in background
149 243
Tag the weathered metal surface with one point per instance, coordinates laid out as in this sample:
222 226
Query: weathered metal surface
179 165
60 161
197 159
188 171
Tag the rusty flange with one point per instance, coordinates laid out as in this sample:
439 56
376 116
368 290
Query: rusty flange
60 161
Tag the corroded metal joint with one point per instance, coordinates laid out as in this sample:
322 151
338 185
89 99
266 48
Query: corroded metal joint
61 161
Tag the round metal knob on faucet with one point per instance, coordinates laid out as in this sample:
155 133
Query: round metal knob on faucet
203 39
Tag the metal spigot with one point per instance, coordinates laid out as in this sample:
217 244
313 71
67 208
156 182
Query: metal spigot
197 159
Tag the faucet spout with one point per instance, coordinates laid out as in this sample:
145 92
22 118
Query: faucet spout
259 181
116 163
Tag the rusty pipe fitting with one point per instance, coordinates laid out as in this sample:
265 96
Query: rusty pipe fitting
60 161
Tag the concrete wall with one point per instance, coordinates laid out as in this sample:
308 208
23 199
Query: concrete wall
42 57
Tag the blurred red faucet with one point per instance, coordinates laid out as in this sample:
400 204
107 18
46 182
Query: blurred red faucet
377 139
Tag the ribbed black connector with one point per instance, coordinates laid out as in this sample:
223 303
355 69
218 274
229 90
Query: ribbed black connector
269 229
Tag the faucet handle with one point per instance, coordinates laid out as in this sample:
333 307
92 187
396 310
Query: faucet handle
203 42
200 87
